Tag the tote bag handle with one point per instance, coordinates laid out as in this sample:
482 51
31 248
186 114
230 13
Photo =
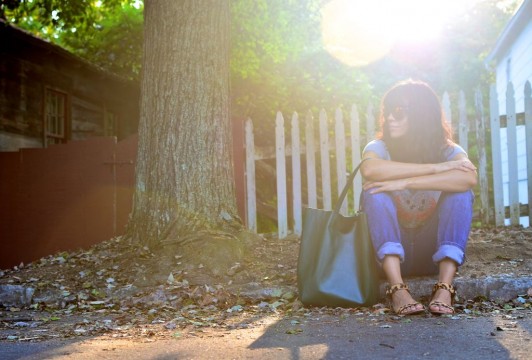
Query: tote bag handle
342 196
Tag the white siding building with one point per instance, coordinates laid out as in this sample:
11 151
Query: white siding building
511 59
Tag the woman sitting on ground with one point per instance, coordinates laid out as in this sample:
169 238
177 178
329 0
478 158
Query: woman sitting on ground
417 196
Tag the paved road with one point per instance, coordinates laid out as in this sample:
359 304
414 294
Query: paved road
317 337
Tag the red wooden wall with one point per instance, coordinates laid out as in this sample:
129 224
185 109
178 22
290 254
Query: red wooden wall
74 195
64 197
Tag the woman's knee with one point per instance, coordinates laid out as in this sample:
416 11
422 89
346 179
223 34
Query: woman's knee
464 198
457 204
378 199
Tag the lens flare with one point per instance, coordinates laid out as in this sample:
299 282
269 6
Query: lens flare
358 32
351 32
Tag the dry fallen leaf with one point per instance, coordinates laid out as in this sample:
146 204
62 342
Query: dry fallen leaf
158 307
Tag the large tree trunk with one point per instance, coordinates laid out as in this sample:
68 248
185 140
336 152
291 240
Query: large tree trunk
184 169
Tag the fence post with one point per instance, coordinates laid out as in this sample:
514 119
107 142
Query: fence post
339 132
528 132
325 167
250 177
311 161
446 105
296 175
370 123
481 146
355 154
282 221
513 180
463 126
495 128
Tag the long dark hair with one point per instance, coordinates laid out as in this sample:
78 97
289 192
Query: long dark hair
428 134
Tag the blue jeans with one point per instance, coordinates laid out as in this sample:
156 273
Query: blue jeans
420 249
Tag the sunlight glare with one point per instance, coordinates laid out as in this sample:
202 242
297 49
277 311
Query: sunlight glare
137 4
358 32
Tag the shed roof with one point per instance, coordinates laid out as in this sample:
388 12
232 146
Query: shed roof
21 35
511 31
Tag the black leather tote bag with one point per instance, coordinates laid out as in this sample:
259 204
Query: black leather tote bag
336 264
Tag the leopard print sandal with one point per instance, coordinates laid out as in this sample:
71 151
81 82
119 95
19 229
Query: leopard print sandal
451 290
390 290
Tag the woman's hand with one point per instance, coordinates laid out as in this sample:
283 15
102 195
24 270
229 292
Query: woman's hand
376 187
461 164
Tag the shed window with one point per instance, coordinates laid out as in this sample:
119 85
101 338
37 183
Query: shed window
55 113
109 123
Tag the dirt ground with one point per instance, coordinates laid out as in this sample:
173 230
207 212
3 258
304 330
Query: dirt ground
499 251
122 290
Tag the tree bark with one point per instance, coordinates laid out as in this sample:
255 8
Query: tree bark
184 174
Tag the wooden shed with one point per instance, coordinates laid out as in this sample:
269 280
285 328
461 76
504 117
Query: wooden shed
50 96
511 61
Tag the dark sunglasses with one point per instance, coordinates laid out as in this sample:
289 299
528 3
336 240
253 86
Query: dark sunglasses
399 113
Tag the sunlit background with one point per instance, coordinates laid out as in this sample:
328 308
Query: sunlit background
359 32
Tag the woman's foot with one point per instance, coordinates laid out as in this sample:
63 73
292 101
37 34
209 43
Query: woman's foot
402 301
442 299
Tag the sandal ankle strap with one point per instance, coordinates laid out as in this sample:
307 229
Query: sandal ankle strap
444 286
391 289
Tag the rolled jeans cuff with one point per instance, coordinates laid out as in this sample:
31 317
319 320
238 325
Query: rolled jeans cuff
449 251
391 248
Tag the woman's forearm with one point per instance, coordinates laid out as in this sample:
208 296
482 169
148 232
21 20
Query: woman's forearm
376 169
450 181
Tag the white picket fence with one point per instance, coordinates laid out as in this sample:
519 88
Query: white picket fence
341 145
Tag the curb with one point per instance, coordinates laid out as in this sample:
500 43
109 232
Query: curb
15 296
501 287
496 288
